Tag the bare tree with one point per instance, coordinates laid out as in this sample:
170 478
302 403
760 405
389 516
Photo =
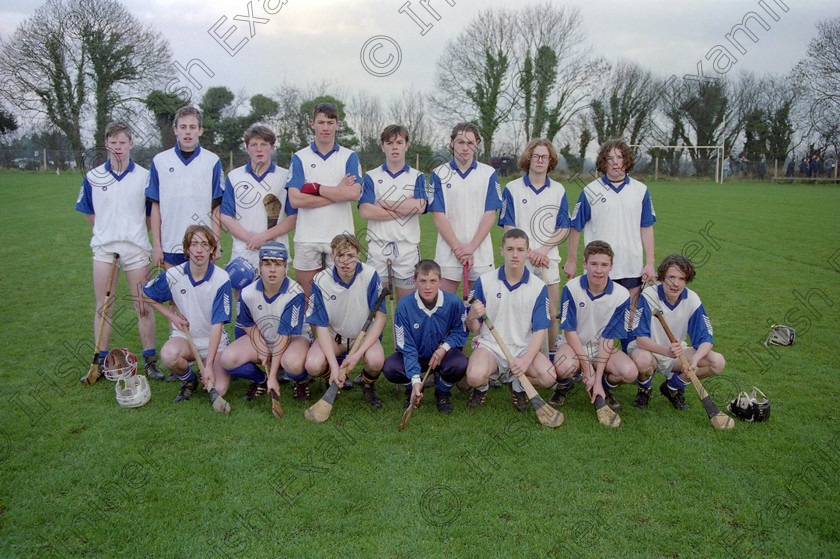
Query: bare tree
366 117
553 44
819 74
474 80
410 111
72 52
623 104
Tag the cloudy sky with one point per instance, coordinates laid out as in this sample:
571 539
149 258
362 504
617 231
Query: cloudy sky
349 42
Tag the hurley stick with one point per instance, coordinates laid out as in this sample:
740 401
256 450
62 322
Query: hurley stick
219 403
93 372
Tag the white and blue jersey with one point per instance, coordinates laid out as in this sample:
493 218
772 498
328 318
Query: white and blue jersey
594 316
419 331
516 310
344 307
537 211
465 198
119 204
281 314
615 214
243 200
686 317
380 184
186 189
320 225
203 302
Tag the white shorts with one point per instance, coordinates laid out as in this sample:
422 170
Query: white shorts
308 256
404 257
132 256
501 360
664 364
201 344
550 275
456 273
591 348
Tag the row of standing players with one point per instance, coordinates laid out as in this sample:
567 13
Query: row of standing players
615 208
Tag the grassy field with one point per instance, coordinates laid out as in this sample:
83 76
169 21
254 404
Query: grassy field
82 477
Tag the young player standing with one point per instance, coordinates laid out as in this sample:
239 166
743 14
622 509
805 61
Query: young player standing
617 209
537 205
594 311
323 179
201 291
428 332
685 316
466 196
393 197
185 187
341 299
517 303
113 200
243 211
271 312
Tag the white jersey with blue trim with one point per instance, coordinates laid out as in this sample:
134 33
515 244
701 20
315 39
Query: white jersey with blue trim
419 331
243 200
515 310
464 198
343 307
594 316
185 190
380 184
320 225
203 302
119 203
615 214
537 211
686 317
281 314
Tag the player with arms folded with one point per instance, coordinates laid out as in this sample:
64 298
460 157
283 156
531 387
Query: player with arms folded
685 316
324 178
393 197
516 301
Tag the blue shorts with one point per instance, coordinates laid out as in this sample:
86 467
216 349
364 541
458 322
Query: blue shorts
629 283
174 258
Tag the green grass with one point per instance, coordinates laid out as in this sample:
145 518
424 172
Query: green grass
82 477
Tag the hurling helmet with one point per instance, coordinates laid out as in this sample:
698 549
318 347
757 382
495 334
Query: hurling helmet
241 273
750 407
120 364
780 335
133 391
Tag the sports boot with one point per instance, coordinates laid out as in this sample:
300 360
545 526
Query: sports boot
256 389
370 395
642 398
444 404
187 389
676 397
559 397
612 402
152 370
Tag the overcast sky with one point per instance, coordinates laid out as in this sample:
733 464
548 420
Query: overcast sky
314 40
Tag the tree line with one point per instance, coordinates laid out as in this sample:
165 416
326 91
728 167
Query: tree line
518 73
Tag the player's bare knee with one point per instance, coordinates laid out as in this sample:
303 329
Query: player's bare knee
718 362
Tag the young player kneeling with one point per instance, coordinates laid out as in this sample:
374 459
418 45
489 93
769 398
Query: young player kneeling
202 293
593 315
685 316
428 333
271 312
340 300
516 301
